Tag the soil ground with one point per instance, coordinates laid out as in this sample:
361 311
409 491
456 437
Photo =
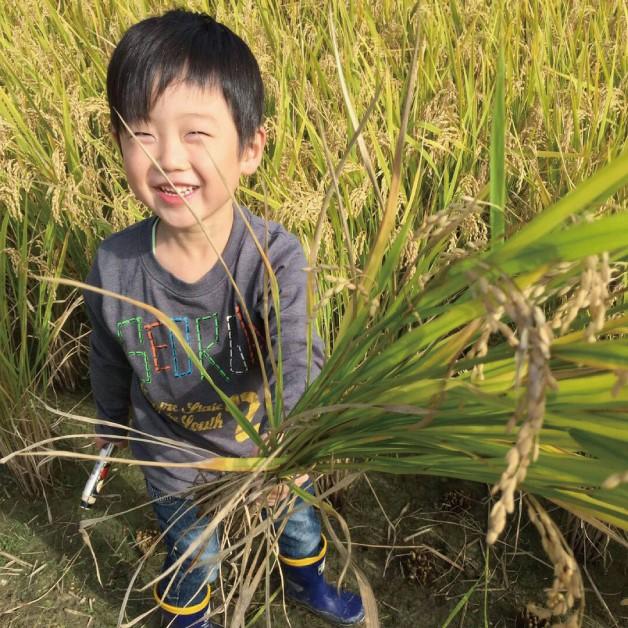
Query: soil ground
418 540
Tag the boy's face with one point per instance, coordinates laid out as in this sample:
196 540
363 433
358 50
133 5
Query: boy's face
185 124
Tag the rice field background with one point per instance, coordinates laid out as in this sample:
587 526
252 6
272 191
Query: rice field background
328 67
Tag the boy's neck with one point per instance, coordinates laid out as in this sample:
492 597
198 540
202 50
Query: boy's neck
192 243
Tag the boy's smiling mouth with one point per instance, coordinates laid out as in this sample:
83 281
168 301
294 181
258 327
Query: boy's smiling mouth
170 195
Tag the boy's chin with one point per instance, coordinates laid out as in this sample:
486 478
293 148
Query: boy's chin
182 220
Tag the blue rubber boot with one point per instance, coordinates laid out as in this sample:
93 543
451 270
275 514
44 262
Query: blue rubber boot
304 584
185 616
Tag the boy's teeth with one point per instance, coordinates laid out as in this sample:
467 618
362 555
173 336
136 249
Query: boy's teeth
181 191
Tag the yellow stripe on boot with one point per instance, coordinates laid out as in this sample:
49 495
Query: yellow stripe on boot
304 562
182 610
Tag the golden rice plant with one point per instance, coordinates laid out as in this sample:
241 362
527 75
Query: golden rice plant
541 407
516 352
503 364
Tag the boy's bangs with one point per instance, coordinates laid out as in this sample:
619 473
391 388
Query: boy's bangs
140 93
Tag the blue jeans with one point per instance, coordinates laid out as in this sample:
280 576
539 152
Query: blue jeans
180 520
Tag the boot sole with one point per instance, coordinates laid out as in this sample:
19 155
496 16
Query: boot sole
329 620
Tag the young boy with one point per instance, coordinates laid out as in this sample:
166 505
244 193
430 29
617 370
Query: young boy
186 85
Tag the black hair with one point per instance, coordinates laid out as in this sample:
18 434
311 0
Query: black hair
181 44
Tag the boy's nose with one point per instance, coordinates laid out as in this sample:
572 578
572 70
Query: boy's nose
172 156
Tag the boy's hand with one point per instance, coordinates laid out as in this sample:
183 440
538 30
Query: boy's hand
282 490
101 442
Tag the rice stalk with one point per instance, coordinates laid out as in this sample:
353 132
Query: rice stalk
400 393
567 588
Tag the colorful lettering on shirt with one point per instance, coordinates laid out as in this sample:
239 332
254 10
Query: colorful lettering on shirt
204 346
245 331
161 354
125 330
154 347
175 347
238 353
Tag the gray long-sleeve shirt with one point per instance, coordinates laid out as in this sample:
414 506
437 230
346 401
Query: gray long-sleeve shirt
139 369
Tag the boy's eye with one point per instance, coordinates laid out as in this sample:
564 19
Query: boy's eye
142 135
199 133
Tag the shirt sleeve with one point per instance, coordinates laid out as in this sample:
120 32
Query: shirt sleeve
109 369
288 263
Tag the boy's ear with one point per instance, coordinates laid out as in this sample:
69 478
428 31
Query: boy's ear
253 152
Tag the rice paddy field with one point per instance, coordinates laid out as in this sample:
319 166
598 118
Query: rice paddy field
456 172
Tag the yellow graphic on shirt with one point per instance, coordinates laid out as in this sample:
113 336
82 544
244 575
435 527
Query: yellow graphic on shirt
253 400
200 417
